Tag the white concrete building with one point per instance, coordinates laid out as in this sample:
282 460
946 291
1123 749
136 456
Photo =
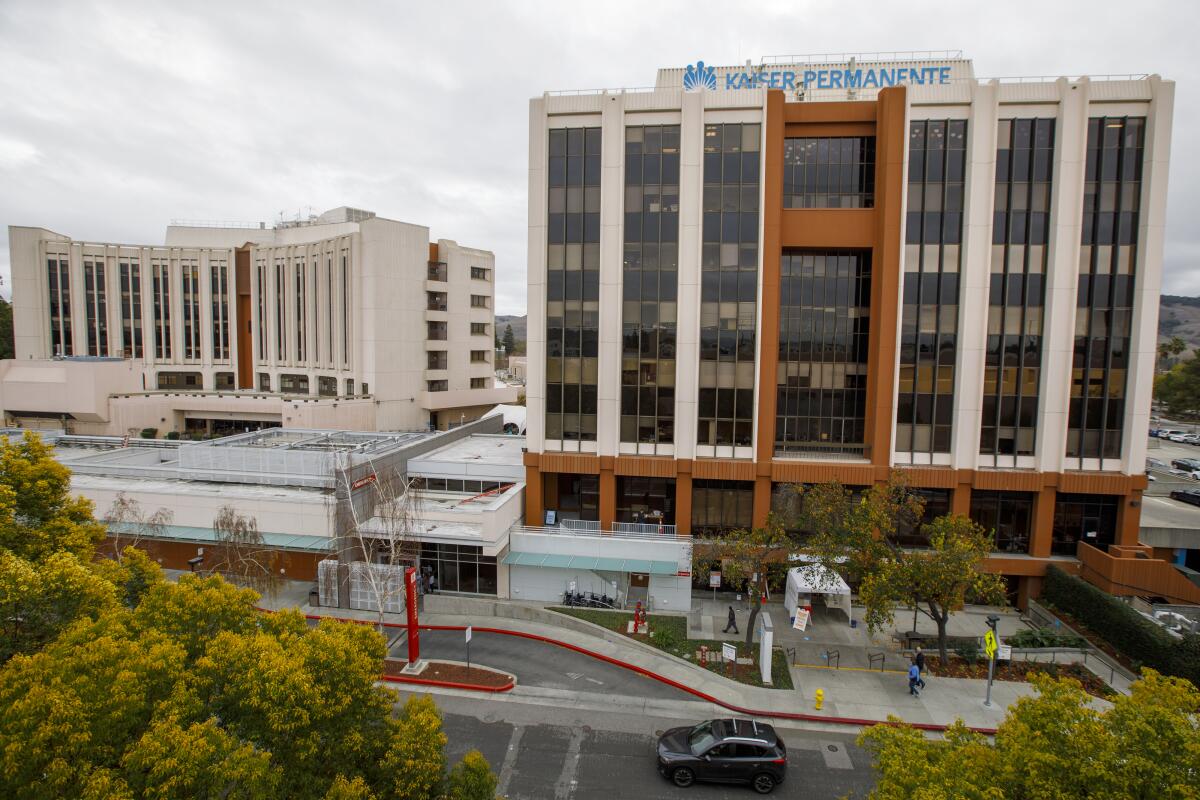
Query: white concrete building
823 268
346 320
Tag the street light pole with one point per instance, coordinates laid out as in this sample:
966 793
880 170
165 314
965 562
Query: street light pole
991 621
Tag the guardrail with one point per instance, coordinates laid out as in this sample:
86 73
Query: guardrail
642 527
597 533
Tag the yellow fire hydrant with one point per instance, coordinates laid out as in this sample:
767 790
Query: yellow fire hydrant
820 695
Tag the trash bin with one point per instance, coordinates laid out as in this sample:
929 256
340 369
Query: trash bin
314 598
853 623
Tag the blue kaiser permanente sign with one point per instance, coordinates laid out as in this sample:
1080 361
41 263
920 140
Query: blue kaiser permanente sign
699 76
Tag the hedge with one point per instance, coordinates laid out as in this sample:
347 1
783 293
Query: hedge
1125 629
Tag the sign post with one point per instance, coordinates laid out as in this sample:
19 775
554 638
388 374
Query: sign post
990 646
729 653
468 648
714 583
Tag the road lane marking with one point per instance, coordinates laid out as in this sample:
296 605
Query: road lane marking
510 760
565 786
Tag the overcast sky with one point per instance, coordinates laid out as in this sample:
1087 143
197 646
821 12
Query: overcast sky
117 117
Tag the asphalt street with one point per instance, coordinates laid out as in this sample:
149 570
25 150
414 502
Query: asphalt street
539 664
540 751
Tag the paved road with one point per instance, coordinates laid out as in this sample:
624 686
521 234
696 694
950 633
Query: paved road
540 664
541 751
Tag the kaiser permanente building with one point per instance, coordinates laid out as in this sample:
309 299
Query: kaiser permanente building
824 268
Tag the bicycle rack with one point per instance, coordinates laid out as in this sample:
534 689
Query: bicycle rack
832 656
873 657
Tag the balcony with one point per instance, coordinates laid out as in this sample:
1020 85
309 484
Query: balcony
1127 571
437 271
435 301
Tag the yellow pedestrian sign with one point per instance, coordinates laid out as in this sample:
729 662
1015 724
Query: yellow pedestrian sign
989 644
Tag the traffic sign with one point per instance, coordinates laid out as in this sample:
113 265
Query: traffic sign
989 644
729 651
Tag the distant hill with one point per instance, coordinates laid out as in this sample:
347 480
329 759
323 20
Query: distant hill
1177 316
518 326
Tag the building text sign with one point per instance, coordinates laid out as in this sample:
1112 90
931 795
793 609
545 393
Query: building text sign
700 76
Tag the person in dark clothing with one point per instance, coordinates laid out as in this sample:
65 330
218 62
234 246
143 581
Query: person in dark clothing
732 622
919 659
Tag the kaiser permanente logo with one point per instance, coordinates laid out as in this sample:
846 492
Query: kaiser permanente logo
699 76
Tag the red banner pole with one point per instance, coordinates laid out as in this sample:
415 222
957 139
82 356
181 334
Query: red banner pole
410 596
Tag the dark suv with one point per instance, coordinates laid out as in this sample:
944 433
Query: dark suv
724 751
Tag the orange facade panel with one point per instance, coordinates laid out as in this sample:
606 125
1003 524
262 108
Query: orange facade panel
578 463
1009 480
935 477
1100 483
645 466
810 472
1133 575
723 470
828 227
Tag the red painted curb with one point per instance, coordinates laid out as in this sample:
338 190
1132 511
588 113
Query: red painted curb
450 684
794 715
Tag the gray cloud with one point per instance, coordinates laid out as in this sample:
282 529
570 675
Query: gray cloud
115 118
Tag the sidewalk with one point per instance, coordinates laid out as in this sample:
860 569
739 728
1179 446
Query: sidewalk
848 693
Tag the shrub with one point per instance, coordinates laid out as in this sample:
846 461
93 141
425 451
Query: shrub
1044 637
1125 629
968 651
149 433
172 435
665 638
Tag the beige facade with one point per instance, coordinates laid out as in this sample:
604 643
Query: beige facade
346 320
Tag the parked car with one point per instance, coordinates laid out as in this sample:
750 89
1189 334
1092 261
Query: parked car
1167 433
1156 463
1189 438
1183 474
724 751
1186 464
1190 496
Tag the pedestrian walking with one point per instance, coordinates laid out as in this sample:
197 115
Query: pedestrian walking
433 584
914 680
732 622
920 662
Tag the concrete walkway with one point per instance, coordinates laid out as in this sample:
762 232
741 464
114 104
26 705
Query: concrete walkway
849 692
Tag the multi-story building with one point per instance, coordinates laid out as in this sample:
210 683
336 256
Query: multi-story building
814 269
345 320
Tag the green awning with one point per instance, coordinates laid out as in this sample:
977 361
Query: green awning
562 561
186 533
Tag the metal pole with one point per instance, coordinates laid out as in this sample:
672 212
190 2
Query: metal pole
991 621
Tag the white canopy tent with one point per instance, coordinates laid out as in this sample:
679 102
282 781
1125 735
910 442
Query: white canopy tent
812 579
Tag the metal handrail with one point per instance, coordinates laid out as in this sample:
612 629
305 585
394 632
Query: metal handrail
895 55
642 527
593 533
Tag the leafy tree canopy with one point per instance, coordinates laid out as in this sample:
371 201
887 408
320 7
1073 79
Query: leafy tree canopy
1055 744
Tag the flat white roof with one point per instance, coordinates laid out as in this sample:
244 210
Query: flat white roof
247 491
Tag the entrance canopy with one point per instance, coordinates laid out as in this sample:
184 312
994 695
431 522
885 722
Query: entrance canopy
813 579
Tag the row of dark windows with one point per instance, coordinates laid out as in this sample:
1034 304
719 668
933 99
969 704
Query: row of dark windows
829 172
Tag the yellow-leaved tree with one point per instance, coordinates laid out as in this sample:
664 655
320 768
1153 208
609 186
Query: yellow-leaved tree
116 683
1055 744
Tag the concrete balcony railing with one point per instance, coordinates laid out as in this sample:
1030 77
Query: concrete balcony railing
1127 571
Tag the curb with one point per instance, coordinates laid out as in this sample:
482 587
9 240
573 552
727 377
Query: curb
790 715
474 687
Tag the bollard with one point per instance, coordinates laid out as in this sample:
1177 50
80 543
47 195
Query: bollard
820 695
704 655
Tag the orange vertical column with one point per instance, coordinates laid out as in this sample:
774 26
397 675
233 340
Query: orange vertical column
534 502
768 331
890 137
608 493
683 497
1129 517
1042 535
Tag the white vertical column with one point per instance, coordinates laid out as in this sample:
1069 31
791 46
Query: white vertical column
1143 344
175 281
974 277
112 300
205 321
1062 275
612 206
535 331
78 295
687 334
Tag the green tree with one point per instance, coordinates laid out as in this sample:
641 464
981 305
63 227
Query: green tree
746 555
6 330
195 610
1171 348
38 516
1054 744
1179 388
858 538
510 341
471 779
